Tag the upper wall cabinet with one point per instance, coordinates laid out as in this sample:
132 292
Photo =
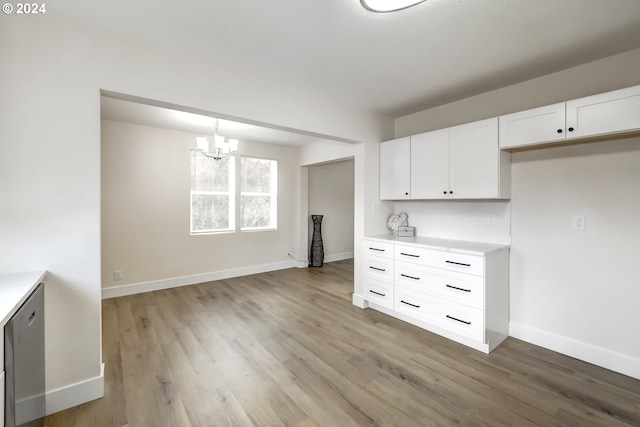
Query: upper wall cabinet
430 165
537 126
590 117
462 162
395 178
478 170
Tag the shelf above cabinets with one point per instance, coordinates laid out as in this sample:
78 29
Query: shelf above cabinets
615 113
461 162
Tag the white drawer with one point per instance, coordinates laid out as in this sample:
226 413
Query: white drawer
456 318
414 255
463 263
471 264
378 248
456 287
379 268
378 292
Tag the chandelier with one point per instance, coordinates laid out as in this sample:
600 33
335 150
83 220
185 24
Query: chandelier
388 5
221 147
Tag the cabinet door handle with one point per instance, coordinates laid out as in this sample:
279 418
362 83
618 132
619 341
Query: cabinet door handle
458 263
458 320
376 249
458 289
377 293
410 277
570 129
408 303
411 255
559 131
376 268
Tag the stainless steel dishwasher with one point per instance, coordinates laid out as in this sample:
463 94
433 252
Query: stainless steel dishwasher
24 363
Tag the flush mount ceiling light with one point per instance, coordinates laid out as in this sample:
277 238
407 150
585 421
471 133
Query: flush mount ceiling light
388 5
221 148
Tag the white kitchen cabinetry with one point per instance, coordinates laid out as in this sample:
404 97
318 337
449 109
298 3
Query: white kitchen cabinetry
610 113
430 166
478 169
536 126
378 277
605 113
395 173
453 288
462 162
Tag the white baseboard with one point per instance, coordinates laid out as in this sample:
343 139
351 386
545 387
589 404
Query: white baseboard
327 258
174 282
359 301
599 356
75 394
338 257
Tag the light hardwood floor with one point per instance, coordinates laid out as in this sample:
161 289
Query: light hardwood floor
288 348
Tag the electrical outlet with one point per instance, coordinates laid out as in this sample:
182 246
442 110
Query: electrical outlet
117 275
578 222
491 218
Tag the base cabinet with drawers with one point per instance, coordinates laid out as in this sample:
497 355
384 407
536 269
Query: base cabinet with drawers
457 289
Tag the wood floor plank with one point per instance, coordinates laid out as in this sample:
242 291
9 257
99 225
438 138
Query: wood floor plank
288 348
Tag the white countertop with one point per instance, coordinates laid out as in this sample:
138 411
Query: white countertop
460 246
14 291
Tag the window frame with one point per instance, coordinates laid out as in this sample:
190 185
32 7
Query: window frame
231 193
273 195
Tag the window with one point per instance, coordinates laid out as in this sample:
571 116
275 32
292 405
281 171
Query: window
258 194
212 194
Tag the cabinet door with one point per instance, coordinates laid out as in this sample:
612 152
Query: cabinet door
430 165
475 160
611 112
395 169
531 127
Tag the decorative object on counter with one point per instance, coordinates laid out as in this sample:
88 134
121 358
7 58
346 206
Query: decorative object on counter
406 231
397 220
316 255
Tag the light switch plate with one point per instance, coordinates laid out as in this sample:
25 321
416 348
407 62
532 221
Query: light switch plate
579 222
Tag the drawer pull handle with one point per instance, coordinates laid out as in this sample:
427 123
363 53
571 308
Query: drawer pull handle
458 320
376 249
458 263
410 277
377 293
458 289
408 303
411 255
376 268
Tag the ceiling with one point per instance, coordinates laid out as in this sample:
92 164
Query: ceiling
169 118
393 64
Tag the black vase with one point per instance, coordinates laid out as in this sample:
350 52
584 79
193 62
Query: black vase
316 255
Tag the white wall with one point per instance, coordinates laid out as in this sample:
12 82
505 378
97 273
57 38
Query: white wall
50 80
145 211
331 194
574 292
579 285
